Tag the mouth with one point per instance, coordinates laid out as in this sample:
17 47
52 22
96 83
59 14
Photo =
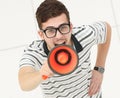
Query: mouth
60 44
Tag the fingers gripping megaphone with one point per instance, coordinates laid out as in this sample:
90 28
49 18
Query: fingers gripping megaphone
62 60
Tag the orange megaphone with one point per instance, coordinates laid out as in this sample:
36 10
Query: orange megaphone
62 60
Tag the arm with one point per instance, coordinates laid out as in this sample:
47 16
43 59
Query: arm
29 78
103 49
102 52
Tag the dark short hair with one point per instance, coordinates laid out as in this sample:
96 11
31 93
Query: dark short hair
49 9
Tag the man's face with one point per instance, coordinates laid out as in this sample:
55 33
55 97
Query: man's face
56 22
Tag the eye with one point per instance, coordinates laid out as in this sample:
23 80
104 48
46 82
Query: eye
64 28
50 30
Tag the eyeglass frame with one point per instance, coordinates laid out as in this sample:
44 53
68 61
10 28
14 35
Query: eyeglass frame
58 28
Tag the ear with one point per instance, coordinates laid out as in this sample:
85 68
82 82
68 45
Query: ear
71 26
40 33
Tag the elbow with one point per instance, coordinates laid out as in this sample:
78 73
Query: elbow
109 31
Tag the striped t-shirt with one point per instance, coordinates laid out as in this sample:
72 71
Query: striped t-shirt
76 84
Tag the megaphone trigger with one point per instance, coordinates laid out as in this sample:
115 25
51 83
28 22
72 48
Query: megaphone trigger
44 77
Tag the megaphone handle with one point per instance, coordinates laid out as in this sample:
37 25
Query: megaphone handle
44 77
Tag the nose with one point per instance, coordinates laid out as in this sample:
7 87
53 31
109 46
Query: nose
58 35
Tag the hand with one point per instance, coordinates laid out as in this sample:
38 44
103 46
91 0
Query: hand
95 83
45 71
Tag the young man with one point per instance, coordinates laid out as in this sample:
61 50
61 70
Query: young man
56 29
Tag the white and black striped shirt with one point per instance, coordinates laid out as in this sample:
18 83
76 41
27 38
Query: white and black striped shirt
76 84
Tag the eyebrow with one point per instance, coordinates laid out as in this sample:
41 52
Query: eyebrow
54 27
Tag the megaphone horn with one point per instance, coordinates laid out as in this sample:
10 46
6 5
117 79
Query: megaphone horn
63 59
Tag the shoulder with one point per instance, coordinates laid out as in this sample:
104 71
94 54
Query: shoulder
99 25
90 28
81 32
35 46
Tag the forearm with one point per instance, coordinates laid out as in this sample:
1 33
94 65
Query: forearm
103 49
29 80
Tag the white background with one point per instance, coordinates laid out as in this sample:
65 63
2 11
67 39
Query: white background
18 28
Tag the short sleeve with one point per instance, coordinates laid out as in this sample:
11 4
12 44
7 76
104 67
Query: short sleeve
32 55
100 32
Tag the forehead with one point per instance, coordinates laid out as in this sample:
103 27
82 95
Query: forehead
55 21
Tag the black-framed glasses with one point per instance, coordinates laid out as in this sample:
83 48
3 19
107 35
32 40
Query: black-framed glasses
51 31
